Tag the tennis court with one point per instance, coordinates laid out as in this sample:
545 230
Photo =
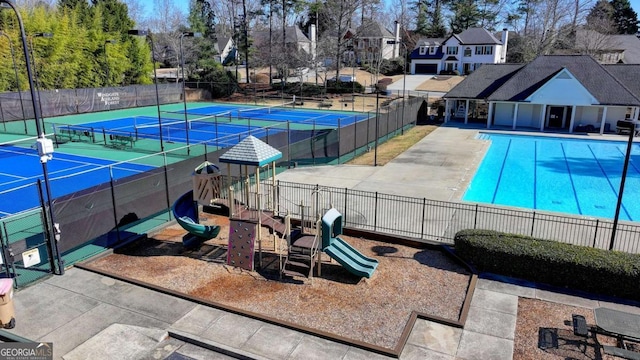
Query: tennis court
217 121
67 174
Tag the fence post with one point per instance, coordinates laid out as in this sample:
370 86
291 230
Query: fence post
424 211
595 235
375 213
475 217
339 139
533 222
288 144
345 207
113 202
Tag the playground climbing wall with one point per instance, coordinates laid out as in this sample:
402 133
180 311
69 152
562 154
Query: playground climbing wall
242 236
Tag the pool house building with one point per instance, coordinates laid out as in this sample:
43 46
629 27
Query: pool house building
564 93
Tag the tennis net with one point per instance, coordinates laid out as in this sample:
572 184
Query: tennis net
264 110
171 123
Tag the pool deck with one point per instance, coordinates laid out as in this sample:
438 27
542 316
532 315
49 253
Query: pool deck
87 315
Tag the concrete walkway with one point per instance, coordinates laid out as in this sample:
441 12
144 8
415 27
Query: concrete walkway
90 316
412 82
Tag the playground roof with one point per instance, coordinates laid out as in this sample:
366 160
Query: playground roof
251 151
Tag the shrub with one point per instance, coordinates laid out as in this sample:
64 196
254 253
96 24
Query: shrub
340 87
606 272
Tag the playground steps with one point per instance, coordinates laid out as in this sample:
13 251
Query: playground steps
299 260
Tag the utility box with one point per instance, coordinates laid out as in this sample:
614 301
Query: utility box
7 311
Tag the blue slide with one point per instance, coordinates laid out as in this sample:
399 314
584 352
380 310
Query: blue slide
185 211
350 258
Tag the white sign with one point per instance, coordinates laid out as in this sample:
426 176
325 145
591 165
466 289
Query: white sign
31 257
112 98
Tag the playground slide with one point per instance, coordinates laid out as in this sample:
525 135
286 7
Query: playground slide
186 213
350 258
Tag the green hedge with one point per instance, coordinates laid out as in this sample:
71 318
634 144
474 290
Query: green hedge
599 271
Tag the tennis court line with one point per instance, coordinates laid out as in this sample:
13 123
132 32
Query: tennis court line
12 175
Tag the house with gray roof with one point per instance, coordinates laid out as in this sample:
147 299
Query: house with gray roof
461 53
608 49
371 42
553 92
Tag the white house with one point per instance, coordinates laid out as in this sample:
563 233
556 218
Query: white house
226 50
554 92
462 53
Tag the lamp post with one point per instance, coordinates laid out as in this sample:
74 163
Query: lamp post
184 91
15 69
106 60
35 69
404 78
149 36
45 150
632 133
375 149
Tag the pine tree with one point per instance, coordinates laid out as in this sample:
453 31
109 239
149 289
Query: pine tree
625 18
465 15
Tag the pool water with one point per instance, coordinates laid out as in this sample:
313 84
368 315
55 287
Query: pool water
557 174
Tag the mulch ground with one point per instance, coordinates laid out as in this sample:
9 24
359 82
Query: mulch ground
373 311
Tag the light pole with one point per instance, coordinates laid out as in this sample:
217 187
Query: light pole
149 36
35 69
15 69
184 91
106 60
45 150
404 78
632 133
375 149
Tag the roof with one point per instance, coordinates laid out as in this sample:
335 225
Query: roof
429 42
251 151
595 41
484 81
295 35
628 74
511 82
600 83
476 36
372 29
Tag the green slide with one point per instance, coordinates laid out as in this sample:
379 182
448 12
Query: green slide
351 259
345 254
185 210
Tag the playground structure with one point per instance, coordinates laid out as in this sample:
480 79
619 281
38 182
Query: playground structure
253 203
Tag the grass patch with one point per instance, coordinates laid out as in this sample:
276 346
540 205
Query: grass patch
394 147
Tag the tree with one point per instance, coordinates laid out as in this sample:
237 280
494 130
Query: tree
600 18
465 14
624 17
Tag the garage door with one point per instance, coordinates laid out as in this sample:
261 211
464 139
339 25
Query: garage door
426 68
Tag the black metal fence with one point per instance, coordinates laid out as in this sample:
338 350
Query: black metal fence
439 221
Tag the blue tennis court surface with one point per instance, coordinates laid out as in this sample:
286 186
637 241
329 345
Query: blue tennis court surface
20 168
219 121
557 174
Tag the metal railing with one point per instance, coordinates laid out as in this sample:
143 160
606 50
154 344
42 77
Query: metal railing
438 221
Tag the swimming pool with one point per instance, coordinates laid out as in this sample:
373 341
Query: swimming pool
557 174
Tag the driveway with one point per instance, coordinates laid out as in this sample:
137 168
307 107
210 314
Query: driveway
413 81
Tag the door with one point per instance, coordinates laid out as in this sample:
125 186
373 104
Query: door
426 68
555 119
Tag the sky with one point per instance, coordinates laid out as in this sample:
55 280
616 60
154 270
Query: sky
183 5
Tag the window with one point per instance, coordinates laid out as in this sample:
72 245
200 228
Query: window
432 50
467 51
450 66
423 50
476 66
361 44
484 50
452 50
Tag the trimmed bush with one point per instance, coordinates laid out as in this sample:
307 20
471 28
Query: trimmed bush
599 271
